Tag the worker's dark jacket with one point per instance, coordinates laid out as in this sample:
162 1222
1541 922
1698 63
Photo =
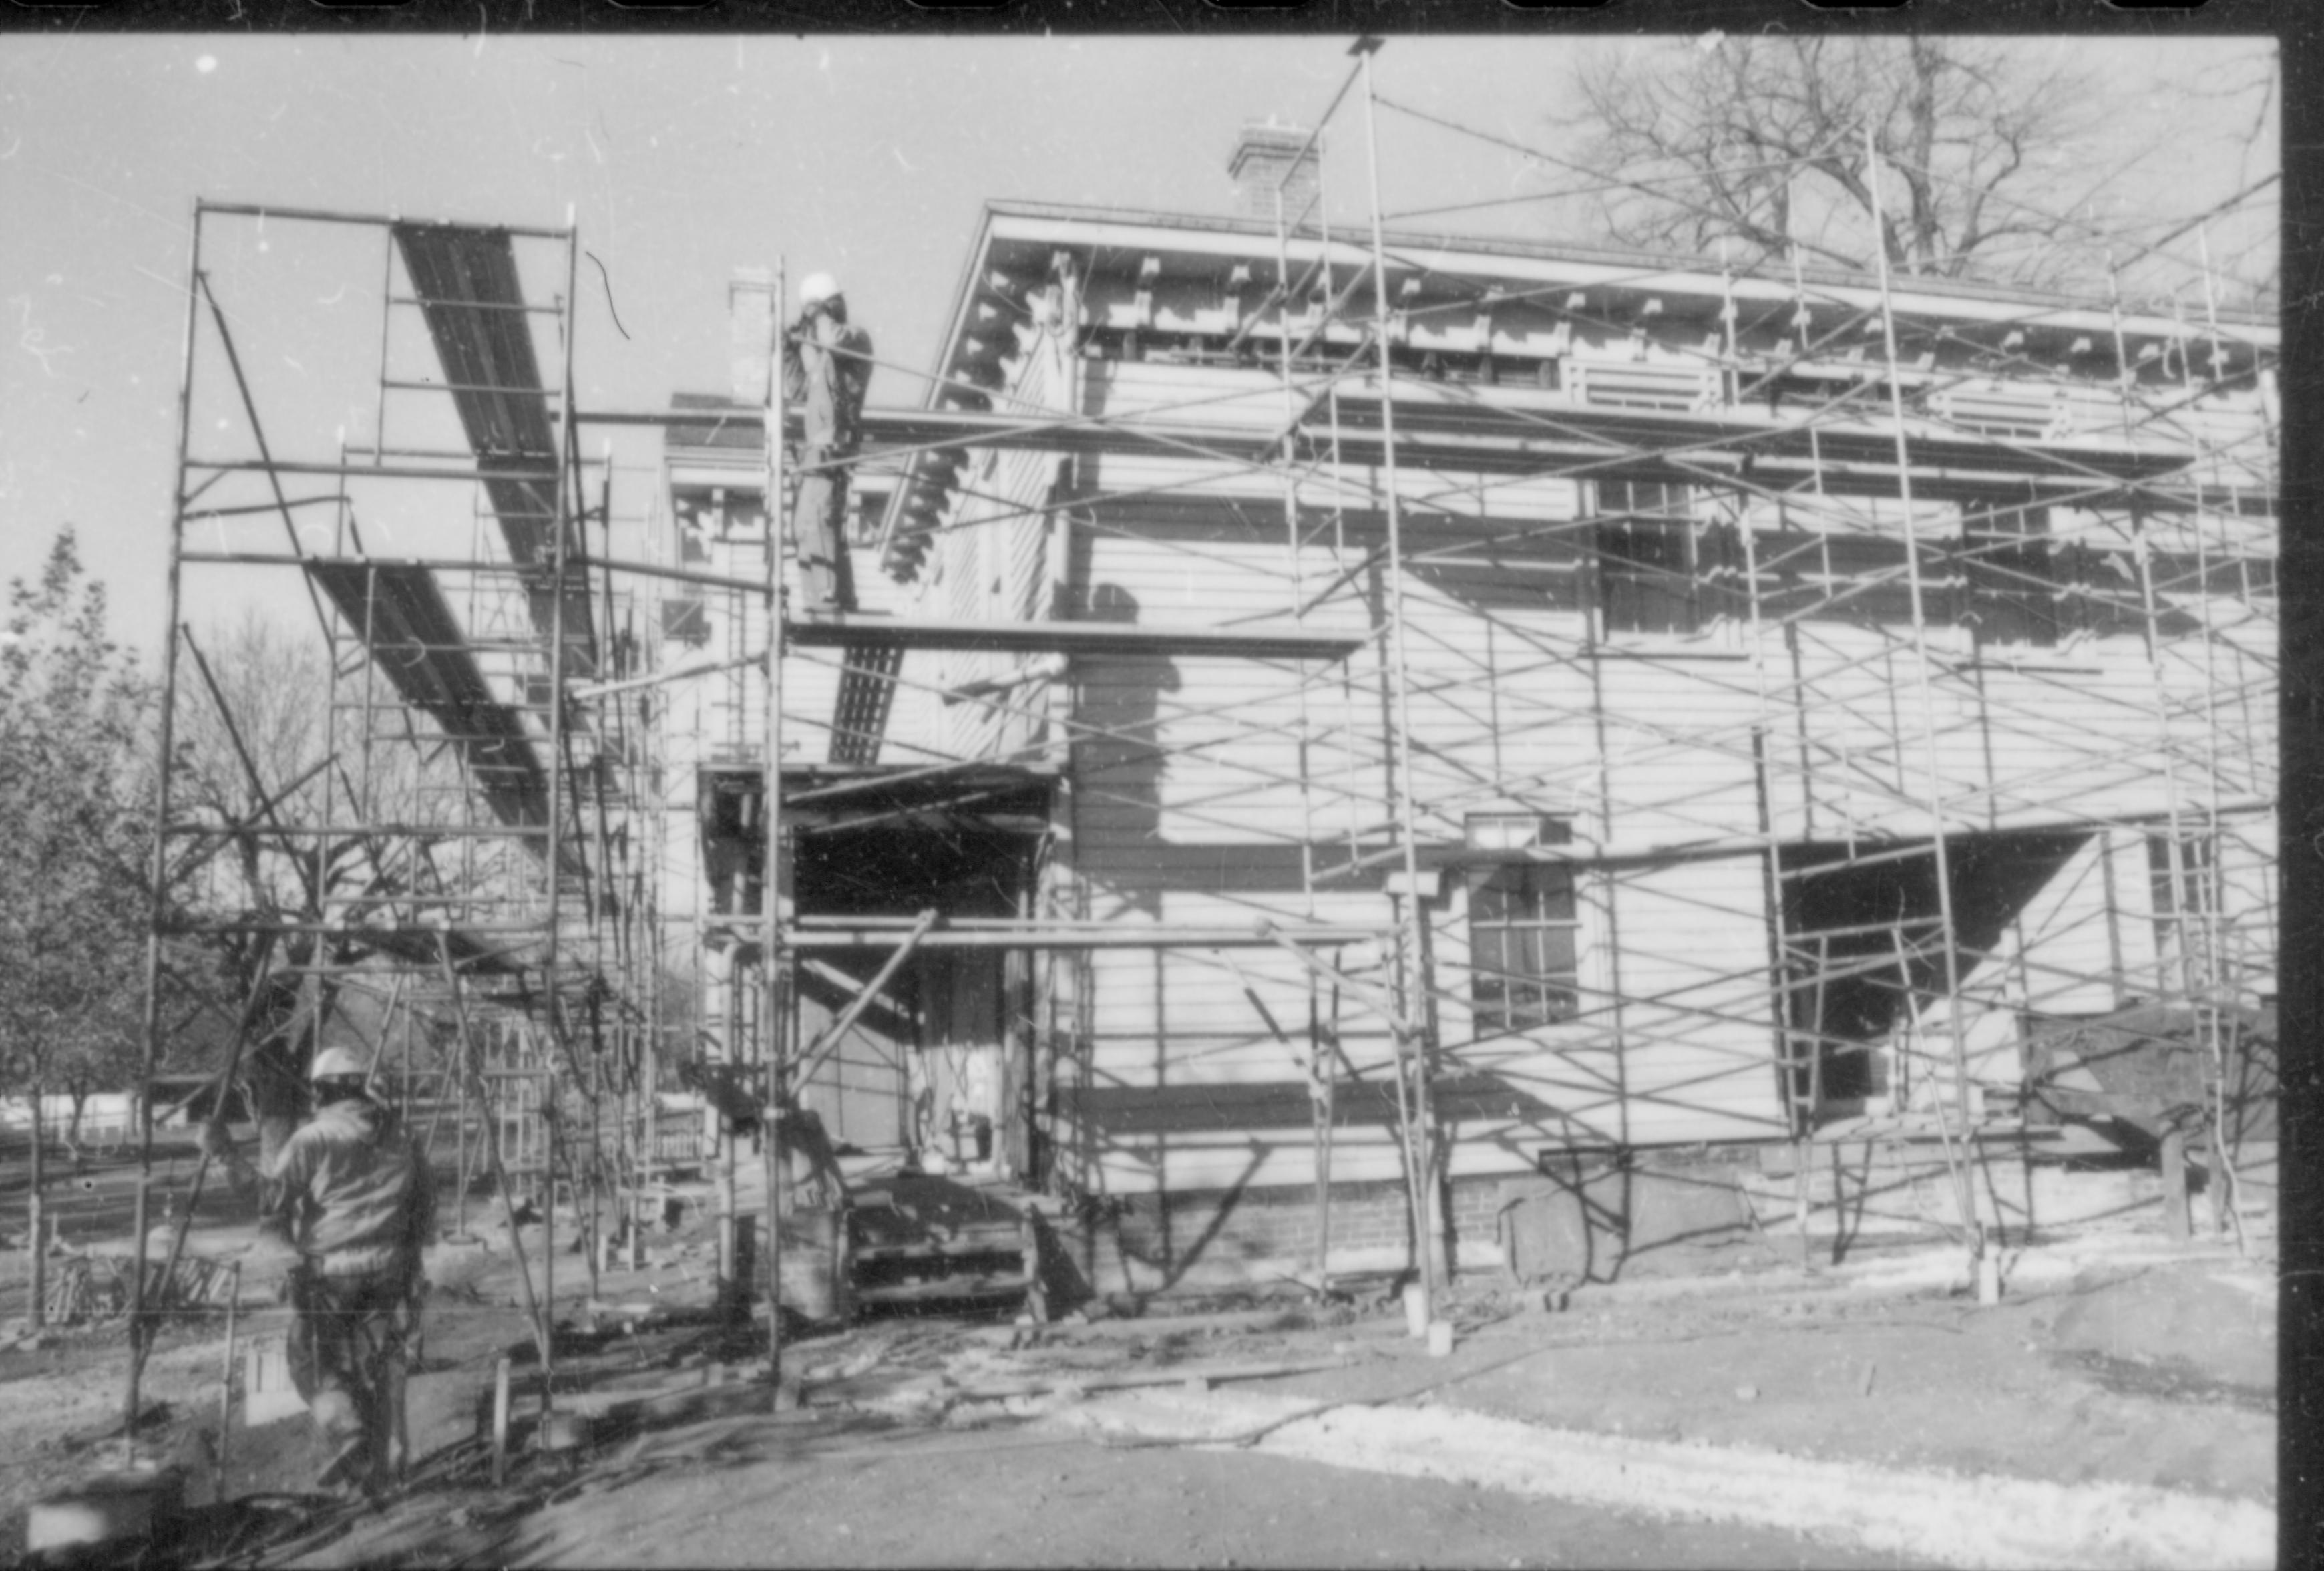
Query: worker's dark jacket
353 1191
829 387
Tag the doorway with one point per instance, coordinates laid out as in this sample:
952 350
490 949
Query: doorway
933 1067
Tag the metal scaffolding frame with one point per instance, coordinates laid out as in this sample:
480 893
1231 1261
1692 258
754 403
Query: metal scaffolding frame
537 963
470 847
1823 466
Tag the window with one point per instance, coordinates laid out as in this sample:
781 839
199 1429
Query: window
703 514
867 511
1522 946
1659 570
2184 882
2011 581
684 620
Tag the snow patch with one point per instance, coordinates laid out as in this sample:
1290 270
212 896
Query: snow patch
1980 1522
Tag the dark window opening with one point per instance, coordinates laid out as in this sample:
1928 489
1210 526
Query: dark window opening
2012 577
1863 946
1659 570
684 620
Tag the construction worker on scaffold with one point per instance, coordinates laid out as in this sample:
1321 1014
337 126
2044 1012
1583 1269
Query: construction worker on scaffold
826 368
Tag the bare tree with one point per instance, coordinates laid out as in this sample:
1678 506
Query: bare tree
264 748
1989 162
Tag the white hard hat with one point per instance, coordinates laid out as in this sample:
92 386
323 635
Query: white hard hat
336 1064
817 288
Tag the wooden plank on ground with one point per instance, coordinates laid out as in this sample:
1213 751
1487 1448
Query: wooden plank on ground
1084 1380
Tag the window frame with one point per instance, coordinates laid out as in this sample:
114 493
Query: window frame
2184 893
1653 547
1533 938
2013 592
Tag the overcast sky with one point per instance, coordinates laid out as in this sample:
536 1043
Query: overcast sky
679 161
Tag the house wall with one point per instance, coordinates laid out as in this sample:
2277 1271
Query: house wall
717 528
1218 790
1224 790
1197 799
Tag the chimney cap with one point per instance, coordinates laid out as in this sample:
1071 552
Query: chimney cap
1270 138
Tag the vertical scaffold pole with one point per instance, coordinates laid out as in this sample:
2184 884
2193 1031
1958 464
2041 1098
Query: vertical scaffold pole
561 512
158 869
2151 610
2221 973
1319 1063
1416 1009
771 926
1948 935
1796 1067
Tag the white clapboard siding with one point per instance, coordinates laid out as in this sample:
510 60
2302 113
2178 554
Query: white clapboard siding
1163 397
992 560
1197 780
2248 870
2072 734
2235 449
994 568
1687 1057
1677 746
2059 956
1480 1148
1510 502
1849 752
1696 1018
1146 1164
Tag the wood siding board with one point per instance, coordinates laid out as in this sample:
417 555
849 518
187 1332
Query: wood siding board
1508 692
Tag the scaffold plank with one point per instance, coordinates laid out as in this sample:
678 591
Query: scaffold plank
1033 936
867 691
416 643
467 281
1094 638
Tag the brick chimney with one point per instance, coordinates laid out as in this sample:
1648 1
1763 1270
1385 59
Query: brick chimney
750 327
1261 155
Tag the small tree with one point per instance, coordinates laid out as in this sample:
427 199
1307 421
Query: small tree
75 794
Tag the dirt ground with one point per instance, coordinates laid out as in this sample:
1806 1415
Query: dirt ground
2114 1363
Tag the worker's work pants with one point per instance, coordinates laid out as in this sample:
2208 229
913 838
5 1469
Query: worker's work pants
818 534
347 1346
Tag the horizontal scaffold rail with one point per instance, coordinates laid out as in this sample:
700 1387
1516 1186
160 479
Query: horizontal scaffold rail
1069 638
183 828
578 567
267 210
1516 432
875 933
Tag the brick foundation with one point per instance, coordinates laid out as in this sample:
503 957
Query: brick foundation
1592 1218
1194 1239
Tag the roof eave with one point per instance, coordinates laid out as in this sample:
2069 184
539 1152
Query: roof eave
1923 298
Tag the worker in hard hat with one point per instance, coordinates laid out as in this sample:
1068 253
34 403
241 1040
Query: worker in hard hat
352 1191
827 367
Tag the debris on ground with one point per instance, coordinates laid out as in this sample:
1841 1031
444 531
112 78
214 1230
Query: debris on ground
2103 1367
100 1287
